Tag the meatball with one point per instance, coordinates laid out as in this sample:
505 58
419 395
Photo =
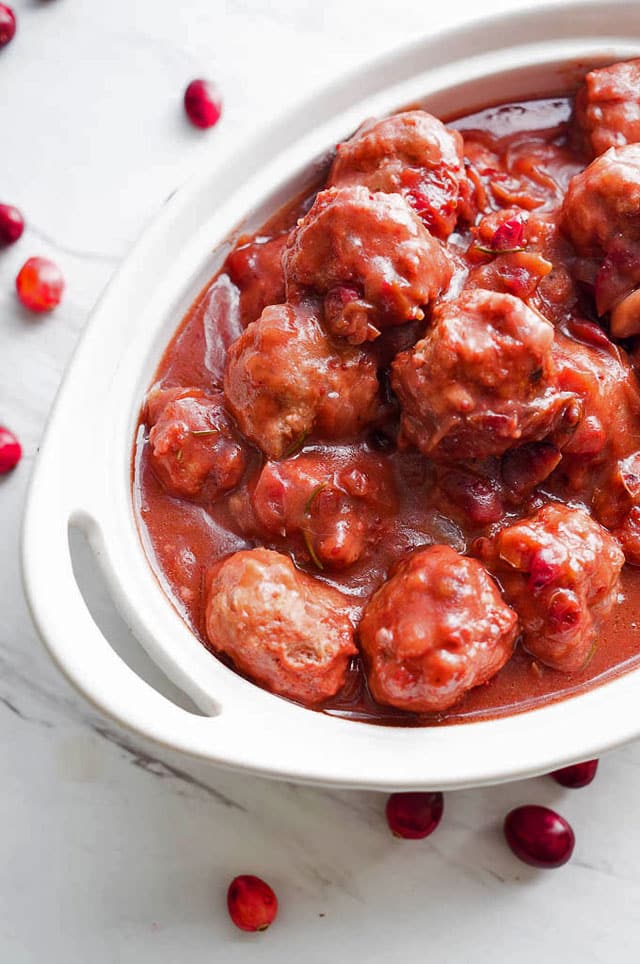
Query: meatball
285 378
371 258
607 108
256 268
434 630
601 216
481 381
334 502
599 466
559 570
283 628
600 375
193 447
602 202
412 154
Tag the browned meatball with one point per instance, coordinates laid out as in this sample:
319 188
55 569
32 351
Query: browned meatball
601 216
285 378
559 570
608 106
434 630
370 255
600 375
601 466
193 447
336 502
481 381
281 627
603 201
412 154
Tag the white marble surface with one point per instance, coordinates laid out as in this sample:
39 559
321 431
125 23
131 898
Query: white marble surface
111 850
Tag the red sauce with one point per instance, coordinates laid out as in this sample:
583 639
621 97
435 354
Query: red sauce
525 141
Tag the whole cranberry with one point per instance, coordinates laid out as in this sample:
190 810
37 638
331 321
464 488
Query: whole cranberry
40 284
10 450
11 224
251 902
414 816
7 24
203 103
577 775
539 836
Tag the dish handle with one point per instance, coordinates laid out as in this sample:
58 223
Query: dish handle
79 647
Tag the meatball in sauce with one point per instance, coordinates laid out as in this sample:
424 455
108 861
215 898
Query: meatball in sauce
434 630
375 248
559 570
412 154
482 380
286 630
389 467
285 379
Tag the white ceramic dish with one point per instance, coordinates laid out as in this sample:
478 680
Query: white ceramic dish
88 484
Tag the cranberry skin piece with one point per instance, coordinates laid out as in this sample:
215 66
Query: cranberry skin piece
11 224
10 450
576 776
509 236
414 816
203 103
252 903
40 284
7 25
539 836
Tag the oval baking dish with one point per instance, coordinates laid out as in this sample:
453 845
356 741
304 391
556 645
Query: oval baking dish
509 57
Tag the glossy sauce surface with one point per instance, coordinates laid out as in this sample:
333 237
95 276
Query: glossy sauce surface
183 538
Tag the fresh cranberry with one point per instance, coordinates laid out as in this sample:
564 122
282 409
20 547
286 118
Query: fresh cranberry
10 450
508 236
40 284
7 25
11 224
577 775
202 103
252 903
539 836
414 815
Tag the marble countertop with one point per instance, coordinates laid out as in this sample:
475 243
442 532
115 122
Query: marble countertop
113 850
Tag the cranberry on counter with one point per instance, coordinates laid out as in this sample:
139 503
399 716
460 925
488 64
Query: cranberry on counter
7 25
10 450
414 816
11 224
40 284
203 103
539 836
252 903
576 776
